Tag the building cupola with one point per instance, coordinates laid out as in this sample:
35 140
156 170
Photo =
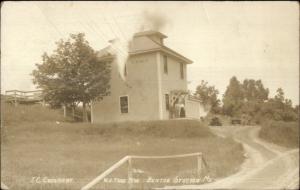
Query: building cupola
153 35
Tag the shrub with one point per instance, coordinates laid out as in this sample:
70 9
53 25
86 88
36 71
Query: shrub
281 132
215 121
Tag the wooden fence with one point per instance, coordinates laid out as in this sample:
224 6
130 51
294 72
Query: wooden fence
23 97
129 159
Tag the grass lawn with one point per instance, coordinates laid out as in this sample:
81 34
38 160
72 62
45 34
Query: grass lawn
281 133
34 144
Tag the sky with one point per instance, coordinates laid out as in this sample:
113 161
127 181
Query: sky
257 40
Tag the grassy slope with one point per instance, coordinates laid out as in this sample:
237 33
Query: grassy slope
281 133
12 115
43 148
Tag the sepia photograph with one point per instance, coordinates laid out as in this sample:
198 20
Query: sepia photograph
154 95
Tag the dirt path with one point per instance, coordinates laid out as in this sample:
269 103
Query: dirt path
267 166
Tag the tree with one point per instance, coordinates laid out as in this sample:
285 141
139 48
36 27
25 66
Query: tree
250 100
208 95
279 108
255 94
279 97
296 109
254 90
72 74
233 98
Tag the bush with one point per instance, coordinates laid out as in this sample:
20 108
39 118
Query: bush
224 120
215 121
281 133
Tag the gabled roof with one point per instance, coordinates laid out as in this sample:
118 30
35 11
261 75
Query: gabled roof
146 45
160 47
165 50
149 33
104 54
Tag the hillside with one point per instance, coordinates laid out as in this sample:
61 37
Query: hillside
282 133
12 115
36 142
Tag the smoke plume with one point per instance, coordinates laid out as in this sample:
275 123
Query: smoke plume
119 47
153 21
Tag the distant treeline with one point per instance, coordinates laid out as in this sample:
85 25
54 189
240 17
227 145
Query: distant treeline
248 99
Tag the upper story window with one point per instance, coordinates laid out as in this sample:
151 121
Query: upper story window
181 71
124 104
165 64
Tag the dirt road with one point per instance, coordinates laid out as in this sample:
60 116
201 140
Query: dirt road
267 166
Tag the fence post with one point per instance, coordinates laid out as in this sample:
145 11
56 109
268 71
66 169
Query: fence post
130 176
65 111
199 164
15 98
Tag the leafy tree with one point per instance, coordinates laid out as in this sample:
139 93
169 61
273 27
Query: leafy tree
233 98
255 94
208 95
250 99
279 97
279 108
254 90
72 74
296 109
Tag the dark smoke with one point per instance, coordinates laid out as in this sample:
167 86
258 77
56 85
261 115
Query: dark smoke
153 21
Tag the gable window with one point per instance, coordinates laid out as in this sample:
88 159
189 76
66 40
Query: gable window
165 64
167 99
124 104
181 71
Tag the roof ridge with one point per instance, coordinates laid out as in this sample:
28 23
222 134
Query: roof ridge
149 32
163 46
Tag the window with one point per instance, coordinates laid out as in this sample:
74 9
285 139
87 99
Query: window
124 104
181 71
167 101
165 64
